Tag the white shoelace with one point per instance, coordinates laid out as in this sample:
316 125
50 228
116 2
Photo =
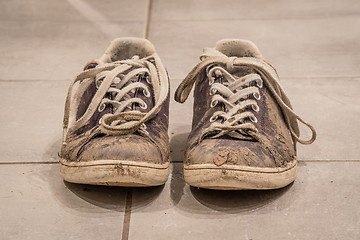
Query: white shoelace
234 94
117 78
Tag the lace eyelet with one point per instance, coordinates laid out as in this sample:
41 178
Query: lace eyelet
259 83
211 81
212 91
213 103
256 96
253 119
146 93
98 83
208 68
255 107
213 118
147 78
143 106
101 107
143 126
100 120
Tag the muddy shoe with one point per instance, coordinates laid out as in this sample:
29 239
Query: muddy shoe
244 130
116 122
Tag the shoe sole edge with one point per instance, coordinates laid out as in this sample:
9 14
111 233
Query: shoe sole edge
114 173
229 177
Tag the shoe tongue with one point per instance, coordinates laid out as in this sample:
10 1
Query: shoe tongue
238 48
126 48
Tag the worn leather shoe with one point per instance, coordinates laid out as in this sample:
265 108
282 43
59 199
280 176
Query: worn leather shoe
116 122
244 130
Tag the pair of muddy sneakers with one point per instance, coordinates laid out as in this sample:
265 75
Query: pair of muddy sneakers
244 131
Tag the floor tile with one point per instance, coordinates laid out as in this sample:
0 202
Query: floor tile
37 204
42 50
73 10
321 204
180 115
332 105
31 120
164 10
296 47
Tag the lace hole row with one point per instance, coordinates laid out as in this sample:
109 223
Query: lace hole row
232 119
144 76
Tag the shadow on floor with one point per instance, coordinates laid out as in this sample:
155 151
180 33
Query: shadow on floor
177 184
145 196
115 198
240 201
51 153
106 197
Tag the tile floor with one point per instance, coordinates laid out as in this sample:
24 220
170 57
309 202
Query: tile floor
315 47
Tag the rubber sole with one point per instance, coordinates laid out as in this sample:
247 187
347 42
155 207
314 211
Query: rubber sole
114 173
230 177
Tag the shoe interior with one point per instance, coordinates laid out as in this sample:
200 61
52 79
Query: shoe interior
126 48
238 48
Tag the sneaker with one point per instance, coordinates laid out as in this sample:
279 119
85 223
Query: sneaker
244 131
116 122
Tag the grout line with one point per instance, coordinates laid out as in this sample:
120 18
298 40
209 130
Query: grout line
328 161
349 15
26 163
320 77
315 161
297 18
127 215
148 19
104 21
34 80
